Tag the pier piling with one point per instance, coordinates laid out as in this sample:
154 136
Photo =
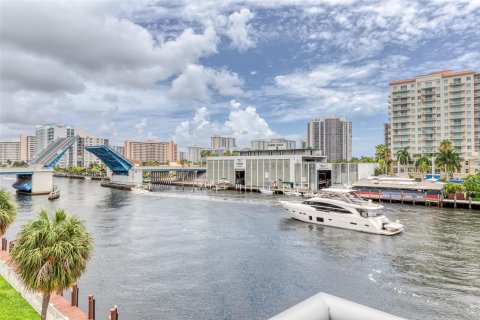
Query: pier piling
91 307
113 313
74 300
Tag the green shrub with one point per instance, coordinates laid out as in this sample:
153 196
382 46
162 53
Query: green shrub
451 187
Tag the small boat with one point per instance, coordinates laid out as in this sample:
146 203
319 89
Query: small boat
222 184
292 193
88 178
342 208
266 191
54 194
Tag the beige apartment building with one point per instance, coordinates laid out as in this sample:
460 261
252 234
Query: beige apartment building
22 149
427 109
150 151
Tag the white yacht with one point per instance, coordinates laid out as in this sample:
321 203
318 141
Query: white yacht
342 208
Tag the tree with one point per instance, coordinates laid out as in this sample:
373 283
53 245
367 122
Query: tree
206 153
472 185
51 254
445 145
384 156
449 160
422 162
8 210
403 156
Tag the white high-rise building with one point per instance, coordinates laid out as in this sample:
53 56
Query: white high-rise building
47 133
332 135
9 151
427 109
194 154
85 158
224 143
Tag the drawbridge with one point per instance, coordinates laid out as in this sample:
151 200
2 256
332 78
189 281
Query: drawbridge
37 177
117 163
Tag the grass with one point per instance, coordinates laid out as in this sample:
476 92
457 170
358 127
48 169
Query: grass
13 306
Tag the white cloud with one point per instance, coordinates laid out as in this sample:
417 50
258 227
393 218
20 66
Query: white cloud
238 29
195 82
244 124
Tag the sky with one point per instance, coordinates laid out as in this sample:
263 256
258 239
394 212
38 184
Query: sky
186 70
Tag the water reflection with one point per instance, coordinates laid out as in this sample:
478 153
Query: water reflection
227 255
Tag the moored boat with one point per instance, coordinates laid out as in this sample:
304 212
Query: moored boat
342 208
54 194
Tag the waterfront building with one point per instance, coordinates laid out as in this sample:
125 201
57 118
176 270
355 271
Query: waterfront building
194 154
22 149
387 135
151 150
45 134
85 158
296 168
427 109
224 143
332 135
273 144
9 151
182 155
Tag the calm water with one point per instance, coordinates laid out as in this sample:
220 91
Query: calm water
203 255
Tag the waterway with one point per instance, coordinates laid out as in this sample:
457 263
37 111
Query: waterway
177 254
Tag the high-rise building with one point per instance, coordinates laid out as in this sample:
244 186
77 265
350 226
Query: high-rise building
386 135
47 133
331 135
429 108
85 158
151 151
260 144
194 154
273 144
224 143
18 150
27 147
119 149
9 151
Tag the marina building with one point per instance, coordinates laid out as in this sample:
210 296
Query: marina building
331 135
151 151
224 143
427 109
295 168
273 144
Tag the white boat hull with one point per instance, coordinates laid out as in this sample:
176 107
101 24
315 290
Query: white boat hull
267 192
374 225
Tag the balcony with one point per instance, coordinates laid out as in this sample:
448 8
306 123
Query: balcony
456 84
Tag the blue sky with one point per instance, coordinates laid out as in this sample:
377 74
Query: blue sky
185 70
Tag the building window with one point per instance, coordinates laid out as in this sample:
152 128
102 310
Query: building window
468 78
310 218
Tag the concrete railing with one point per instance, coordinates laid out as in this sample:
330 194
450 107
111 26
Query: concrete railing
323 306
33 298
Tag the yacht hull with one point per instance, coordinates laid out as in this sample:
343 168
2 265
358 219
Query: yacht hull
304 213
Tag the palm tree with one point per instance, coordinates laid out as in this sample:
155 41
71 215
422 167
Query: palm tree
384 155
449 160
445 145
51 254
403 156
8 210
422 162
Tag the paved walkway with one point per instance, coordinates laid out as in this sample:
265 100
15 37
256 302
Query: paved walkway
60 303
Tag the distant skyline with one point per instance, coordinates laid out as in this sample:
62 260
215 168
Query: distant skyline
187 70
